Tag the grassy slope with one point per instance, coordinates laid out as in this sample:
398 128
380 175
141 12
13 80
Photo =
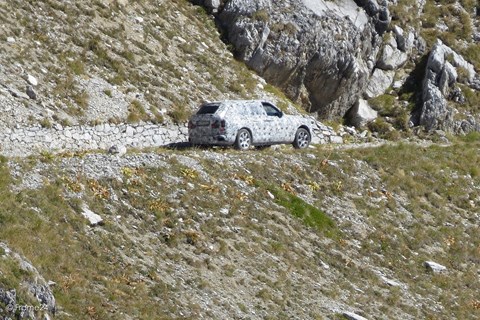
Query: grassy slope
197 233
149 60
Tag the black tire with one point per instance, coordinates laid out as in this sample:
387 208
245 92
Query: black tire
244 140
302 139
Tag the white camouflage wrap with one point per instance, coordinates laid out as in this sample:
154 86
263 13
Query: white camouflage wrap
265 122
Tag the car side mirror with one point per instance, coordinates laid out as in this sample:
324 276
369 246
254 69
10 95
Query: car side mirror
280 114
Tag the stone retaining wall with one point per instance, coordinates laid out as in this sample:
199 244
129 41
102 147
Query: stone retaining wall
25 141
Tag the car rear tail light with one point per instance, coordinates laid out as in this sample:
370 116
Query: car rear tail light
191 125
218 124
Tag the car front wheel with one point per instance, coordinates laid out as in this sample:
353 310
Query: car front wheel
302 139
244 140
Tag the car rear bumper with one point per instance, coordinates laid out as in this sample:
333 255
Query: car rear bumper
210 140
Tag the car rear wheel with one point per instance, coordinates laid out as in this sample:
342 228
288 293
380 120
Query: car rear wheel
302 139
244 140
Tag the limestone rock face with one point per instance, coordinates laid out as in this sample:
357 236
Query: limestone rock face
320 53
438 84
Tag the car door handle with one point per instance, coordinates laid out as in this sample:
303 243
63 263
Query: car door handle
268 120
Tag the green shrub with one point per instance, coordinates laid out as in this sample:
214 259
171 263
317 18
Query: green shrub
383 104
77 67
472 54
136 112
472 98
380 126
81 99
45 123
261 15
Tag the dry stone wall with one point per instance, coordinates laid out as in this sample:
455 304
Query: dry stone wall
25 141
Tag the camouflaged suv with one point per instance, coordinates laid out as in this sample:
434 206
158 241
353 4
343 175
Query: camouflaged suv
246 123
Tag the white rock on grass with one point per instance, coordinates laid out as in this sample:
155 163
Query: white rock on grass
361 113
353 316
434 267
336 139
91 216
32 80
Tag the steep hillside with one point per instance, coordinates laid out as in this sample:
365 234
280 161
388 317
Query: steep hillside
114 61
91 62
277 234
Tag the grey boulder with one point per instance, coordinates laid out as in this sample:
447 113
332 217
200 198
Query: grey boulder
361 114
378 83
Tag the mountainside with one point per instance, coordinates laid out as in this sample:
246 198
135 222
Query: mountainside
154 229
93 62
218 234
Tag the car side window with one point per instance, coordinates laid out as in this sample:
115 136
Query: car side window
256 109
271 110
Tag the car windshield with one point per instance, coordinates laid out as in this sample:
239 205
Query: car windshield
208 109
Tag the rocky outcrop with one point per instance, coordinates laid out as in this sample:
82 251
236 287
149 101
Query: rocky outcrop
392 57
320 53
378 11
440 79
35 290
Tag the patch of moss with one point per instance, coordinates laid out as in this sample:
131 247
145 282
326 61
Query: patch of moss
311 216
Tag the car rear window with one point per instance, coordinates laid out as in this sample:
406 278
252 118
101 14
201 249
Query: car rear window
208 109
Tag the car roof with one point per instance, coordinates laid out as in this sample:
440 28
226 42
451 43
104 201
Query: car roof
239 101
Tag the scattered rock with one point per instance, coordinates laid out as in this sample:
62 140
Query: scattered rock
211 5
36 287
44 295
336 139
353 316
138 19
390 282
31 93
10 39
91 216
361 114
8 298
439 82
119 150
270 195
434 267
32 80
17 94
